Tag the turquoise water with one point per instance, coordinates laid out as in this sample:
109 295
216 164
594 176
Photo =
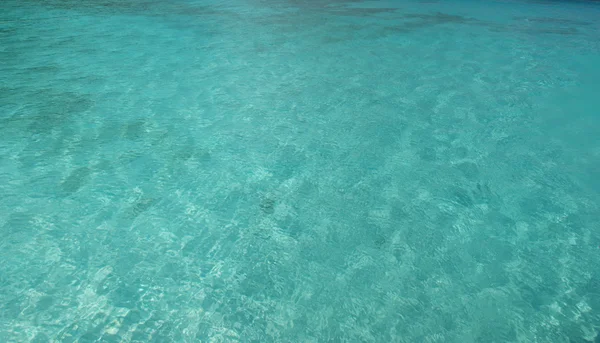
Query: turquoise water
299 171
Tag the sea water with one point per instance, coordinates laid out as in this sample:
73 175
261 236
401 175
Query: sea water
299 171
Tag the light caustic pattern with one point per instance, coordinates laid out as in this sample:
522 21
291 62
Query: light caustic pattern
299 171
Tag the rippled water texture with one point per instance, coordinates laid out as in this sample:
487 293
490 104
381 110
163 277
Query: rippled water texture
299 171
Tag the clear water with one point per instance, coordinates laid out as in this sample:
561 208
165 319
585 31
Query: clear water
299 171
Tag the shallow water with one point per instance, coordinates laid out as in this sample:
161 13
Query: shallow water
299 171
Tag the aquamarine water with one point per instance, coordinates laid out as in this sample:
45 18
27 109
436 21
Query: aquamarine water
299 171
